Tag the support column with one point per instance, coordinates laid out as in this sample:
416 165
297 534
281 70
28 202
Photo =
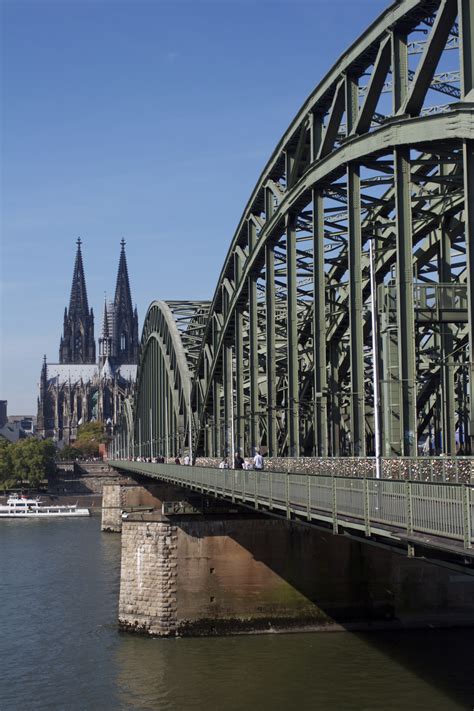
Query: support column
292 337
239 363
391 388
405 308
319 330
147 600
466 35
253 350
217 418
355 312
399 69
239 382
468 153
448 408
272 443
228 395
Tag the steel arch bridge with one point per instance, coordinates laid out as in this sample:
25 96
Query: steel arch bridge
342 320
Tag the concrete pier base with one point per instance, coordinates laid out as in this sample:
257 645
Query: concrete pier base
202 575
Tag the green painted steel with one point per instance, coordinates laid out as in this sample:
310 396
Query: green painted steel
282 358
383 507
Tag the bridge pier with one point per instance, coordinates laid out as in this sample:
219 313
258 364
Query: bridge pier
122 497
238 572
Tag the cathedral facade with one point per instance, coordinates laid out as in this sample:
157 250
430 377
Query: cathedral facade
81 387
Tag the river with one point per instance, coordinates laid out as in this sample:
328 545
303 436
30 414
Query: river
60 648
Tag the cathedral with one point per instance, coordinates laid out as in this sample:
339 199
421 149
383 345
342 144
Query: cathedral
81 388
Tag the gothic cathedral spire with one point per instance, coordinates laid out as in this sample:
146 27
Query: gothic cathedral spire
126 319
77 343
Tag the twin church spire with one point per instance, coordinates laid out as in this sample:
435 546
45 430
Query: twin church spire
77 342
119 340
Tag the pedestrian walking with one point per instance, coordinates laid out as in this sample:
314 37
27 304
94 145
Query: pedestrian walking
238 461
258 460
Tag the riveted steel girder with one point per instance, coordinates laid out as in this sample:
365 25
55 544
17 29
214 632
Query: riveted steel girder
283 357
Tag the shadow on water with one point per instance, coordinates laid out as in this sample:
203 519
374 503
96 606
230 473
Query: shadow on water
433 663
347 581
441 657
333 671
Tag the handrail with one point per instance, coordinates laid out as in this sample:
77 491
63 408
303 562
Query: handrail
438 509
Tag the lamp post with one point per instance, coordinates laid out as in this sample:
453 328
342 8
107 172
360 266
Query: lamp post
151 433
167 452
375 362
232 434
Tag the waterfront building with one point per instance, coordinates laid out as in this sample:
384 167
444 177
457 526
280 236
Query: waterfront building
80 388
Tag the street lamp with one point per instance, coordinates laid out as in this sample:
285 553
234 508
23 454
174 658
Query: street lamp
375 361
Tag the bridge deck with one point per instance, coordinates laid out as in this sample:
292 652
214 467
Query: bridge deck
436 516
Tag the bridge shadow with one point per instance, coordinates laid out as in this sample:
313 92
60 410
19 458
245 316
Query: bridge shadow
382 597
332 581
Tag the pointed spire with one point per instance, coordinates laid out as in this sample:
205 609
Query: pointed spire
77 344
78 302
123 297
105 322
107 372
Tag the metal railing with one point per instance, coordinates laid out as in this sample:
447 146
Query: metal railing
458 470
411 507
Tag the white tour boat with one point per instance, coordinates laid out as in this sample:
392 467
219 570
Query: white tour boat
21 507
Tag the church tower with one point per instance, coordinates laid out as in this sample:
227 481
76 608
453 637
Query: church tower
125 348
77 342
106 341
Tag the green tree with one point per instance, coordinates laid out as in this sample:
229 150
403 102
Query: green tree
33 460
6 473
67 453
89 436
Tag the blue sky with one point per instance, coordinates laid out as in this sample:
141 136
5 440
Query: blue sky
147 120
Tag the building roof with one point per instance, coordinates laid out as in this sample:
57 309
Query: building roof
71 372
12 432
62 373
128 371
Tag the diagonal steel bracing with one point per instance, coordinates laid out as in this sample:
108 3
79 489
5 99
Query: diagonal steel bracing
283 357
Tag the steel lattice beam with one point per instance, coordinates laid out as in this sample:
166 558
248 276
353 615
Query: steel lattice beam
282 357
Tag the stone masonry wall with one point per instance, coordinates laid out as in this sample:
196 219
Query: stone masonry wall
148 578
118 498
112 508
201 575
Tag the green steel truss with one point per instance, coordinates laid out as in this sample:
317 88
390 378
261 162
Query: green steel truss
300 352
169 351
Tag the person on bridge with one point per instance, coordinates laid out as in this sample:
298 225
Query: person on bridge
258 460
238 461
224 464
186 461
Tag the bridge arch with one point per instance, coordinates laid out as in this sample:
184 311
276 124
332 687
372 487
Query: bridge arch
163 416
342 320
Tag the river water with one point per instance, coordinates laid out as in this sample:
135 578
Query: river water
60 648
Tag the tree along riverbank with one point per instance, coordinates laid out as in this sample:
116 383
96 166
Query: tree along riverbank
26 463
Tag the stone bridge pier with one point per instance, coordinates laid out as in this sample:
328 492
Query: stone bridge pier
214 568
